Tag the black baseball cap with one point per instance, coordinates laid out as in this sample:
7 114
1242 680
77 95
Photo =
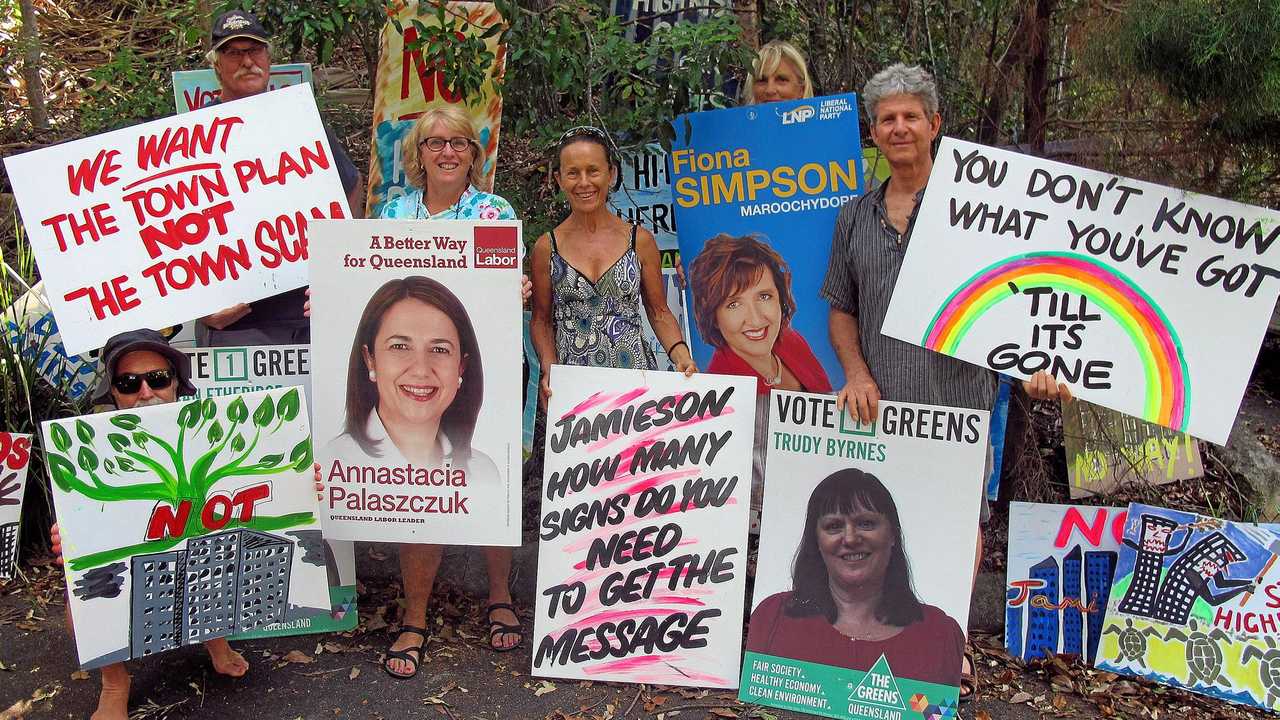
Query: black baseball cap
120 345
237 24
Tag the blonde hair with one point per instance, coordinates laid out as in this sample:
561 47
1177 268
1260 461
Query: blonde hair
460 125
768 59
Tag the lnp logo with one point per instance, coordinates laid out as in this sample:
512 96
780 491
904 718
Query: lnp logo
798 114
495 247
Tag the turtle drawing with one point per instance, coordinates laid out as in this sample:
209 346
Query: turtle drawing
1132 641
1204 656
1268 667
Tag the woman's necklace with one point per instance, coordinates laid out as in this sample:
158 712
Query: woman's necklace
777 377
422 208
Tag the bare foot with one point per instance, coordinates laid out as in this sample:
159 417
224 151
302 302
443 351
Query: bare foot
225 660
113 701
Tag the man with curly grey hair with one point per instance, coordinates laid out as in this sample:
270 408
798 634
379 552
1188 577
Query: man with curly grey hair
867 250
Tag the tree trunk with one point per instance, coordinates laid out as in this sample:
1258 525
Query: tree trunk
749 18
29 41
1035 99
991 118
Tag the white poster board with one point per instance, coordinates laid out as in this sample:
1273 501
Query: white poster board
833 488
416 325
15 459
1146 299
642 560
233 370
186 521
159 223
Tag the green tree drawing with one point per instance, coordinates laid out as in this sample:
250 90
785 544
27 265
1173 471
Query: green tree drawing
208 450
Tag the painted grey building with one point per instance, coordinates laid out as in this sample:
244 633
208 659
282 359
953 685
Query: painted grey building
8 549
221 584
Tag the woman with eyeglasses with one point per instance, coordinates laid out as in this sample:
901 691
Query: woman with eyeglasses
594 273
444 162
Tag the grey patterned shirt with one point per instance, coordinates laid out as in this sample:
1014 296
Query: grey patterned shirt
866 255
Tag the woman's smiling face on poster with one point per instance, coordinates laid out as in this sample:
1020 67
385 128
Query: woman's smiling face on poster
417 363
585 175
751 318
855 547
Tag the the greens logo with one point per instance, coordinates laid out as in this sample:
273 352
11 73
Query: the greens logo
849 426
878 687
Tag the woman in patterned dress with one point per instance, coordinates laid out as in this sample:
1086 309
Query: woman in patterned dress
594 272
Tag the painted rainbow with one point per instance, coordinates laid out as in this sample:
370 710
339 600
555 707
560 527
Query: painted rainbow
1168 394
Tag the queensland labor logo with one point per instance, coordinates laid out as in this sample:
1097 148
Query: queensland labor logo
495 247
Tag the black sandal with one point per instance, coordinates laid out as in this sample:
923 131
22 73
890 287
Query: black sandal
411 655
969 680
500 628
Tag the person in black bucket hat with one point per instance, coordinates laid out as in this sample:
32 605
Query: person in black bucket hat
140 369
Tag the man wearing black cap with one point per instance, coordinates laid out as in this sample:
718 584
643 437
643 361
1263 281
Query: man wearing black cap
141 369
240 53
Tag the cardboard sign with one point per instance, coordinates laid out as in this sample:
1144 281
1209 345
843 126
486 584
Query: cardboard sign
194 89
645 17
32 332
642 561
642 194
233 370
1194 603
894 502
174 219
186 521
216 372
1106 449
406 87
15 458
1146 299
417 323
1062 560
777 173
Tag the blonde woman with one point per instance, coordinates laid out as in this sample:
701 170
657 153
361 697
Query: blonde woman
779 73
444 162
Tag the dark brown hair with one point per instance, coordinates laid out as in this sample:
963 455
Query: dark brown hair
725 266
459 420
847 491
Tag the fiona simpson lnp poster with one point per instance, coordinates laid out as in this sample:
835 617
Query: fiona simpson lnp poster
416 328
777 173
642 564
887 510
1150 300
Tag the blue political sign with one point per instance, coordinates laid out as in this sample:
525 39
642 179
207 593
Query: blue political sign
772 175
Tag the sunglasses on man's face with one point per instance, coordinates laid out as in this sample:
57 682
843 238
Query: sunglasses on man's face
130 383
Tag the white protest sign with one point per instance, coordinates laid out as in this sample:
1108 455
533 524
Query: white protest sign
15 459
886 515
1146 299
233 370
155 224
416 326
642 563
186 521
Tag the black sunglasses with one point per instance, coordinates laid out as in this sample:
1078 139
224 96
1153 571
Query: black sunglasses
130 383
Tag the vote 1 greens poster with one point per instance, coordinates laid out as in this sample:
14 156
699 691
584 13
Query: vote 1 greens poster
883 516
759 188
